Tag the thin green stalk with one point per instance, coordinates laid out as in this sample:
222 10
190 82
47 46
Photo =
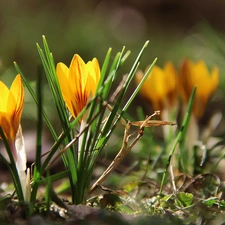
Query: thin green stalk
69 158
54 177
48 197
37 166
106 130
180 137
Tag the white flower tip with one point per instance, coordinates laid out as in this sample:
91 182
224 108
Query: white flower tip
20 150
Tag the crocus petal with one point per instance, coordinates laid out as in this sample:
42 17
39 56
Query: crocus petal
78 77
94 76
78 73
185 85
62 72
18 93
4 93
6 109
171 83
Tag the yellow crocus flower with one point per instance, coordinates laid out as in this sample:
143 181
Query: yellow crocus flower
197 74
11 106
78 83
160 86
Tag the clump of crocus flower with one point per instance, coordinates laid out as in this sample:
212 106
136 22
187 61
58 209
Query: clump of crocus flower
11 106
164 86
78 85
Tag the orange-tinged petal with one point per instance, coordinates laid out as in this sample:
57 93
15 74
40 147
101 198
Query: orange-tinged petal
78 76
8 129
185 85
215 78
17 91
78 73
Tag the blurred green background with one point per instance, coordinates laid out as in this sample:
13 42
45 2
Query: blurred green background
176 29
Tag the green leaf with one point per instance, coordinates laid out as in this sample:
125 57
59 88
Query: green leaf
185 198
210 201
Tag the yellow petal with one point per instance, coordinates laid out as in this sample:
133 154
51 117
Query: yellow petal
157 80
170 76
18 91
201 77
93 76
8 129
7 110
62 72
171 82
4 93
156 87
